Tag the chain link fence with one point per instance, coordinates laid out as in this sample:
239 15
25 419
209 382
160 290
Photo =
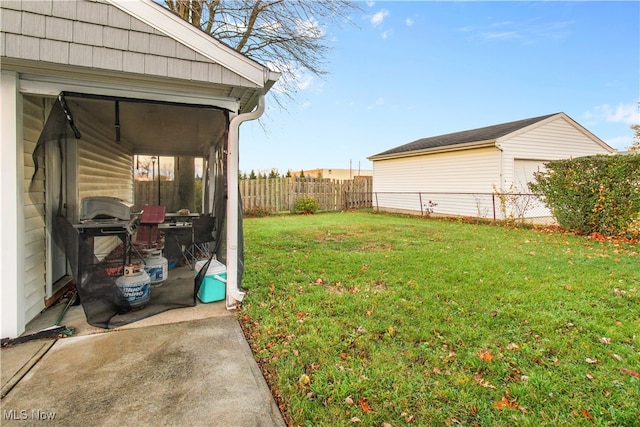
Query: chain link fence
519 207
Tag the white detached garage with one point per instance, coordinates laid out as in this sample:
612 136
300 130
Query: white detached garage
457 173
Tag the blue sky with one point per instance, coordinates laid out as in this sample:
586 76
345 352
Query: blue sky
413 69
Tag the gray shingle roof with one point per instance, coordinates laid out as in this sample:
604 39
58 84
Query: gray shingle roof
487 133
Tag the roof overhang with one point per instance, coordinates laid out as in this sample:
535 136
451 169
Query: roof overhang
436 150
56 79
173 26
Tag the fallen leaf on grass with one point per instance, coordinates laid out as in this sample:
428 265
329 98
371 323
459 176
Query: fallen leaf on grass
304 379
348 400
512 346
592 361
319 281
631 372
450 357
363 403
605 340
617 357
481 381
505 403
485 355
586 413
355 420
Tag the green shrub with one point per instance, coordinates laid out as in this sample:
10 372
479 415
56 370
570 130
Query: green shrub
257 212
595 194
306 205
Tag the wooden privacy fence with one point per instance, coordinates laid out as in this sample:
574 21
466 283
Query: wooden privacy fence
281 194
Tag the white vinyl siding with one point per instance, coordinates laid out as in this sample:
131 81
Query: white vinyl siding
34 227
448 180
105 167
461 182
552 140
523 173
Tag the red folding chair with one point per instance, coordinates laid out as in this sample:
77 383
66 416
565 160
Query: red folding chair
146 234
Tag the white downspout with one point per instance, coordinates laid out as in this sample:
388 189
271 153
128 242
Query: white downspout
234 295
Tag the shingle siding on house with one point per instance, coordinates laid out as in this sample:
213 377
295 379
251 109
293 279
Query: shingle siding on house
100 36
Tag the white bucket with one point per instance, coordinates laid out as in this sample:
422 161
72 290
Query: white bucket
134 287
157 267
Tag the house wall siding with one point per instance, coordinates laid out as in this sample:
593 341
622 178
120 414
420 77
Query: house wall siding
105 167
100 36
397 182
557 139
34 233
480 172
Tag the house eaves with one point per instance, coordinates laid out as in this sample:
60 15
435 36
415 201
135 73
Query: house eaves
120 48
435 150
474 138
173 26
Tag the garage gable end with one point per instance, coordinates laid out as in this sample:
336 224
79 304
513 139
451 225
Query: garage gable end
560 129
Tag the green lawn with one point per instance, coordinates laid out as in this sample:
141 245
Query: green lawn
366 319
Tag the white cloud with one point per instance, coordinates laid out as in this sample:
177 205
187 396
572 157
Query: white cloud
622 113
409 22
499 35
378 102
527 31
385 34
309 28
378 17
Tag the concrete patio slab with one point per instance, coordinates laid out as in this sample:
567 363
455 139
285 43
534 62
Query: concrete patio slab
196 372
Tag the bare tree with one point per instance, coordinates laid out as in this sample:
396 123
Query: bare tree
636 138
285 35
